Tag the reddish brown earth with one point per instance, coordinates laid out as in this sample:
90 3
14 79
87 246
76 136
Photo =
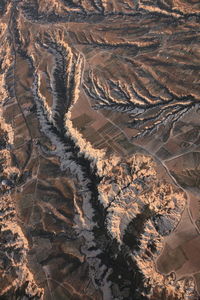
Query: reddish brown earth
99 149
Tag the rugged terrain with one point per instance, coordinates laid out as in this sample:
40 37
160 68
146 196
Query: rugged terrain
99 149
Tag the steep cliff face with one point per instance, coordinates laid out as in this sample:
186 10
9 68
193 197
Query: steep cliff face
99 149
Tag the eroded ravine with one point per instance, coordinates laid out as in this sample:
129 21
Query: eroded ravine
93 211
